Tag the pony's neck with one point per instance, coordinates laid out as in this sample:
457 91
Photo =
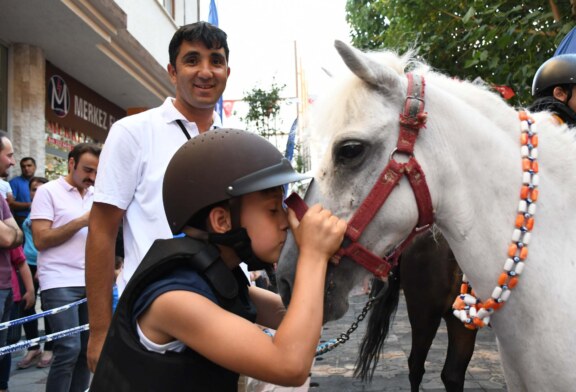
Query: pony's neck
479 176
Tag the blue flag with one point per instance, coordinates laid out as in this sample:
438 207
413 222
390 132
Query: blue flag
289 154
568 44
213 19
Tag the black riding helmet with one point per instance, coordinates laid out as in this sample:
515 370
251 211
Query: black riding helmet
557 71
220 165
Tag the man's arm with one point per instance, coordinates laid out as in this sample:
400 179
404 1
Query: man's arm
45 236
10 234
105 220
17 205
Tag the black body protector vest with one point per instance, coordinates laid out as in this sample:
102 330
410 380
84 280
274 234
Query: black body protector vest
125 365
555 106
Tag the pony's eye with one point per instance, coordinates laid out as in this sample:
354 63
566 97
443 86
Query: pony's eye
350 151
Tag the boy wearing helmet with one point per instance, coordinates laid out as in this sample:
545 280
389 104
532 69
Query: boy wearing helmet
186 318
553 88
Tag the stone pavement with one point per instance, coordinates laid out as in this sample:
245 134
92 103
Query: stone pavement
333 371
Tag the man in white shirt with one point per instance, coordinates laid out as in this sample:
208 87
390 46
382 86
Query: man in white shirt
59 216
134 159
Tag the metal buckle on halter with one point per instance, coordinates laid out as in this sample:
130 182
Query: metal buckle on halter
421 229
395 150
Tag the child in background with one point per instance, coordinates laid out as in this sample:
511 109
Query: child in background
18 263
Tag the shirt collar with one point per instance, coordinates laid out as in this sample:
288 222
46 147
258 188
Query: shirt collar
70 188
171 114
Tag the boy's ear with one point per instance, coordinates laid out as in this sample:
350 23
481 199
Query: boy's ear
219 219
560 94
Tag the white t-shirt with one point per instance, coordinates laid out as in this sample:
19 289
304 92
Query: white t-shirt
60 202
130 175
5 187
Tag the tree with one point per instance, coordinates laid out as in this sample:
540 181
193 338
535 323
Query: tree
263 109
502 41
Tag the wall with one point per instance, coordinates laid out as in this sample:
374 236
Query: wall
151 25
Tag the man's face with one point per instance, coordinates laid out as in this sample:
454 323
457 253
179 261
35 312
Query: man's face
200 75
28 168
84 174
6 157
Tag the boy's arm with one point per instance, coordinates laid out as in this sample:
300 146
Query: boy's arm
269 306
239 345
105 219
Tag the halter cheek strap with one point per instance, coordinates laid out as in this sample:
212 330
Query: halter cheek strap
412 119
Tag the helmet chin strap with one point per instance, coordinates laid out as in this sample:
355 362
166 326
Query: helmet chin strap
237 238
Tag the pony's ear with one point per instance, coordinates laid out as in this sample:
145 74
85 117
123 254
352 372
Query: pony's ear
367 69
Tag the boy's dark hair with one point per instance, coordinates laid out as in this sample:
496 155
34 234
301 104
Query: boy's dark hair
81 149
210 35
42 180
200 220
27 159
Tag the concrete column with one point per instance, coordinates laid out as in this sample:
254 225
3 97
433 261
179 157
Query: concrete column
27 98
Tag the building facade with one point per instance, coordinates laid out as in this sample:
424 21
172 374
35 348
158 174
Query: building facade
70 68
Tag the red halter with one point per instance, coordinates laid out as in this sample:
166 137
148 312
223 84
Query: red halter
411 121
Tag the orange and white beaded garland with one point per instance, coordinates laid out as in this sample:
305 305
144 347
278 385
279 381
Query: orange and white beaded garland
467 307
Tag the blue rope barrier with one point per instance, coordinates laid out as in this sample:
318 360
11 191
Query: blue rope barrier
48 338
23 320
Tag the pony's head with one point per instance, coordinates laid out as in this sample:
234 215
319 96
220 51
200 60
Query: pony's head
356 128
355 132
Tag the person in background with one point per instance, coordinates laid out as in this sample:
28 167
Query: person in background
34 355
60 214
134 159
10 237
20 203
26 300
553 89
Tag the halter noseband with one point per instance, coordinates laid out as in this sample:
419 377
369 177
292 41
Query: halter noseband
412 119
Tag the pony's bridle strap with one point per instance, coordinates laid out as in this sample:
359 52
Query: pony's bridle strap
412 120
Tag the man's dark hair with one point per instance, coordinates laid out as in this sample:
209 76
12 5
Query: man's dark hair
81 149
27 159
211 36
3 134
41 180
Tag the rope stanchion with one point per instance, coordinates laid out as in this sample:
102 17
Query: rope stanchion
48 338
50 312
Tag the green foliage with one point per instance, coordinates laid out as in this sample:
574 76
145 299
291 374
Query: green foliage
502 41
263 109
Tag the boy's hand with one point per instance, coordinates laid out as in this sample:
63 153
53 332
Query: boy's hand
319 232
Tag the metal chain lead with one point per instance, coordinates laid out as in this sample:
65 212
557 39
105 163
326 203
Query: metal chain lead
345 336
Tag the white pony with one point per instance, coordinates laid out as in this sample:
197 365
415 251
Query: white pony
470 153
